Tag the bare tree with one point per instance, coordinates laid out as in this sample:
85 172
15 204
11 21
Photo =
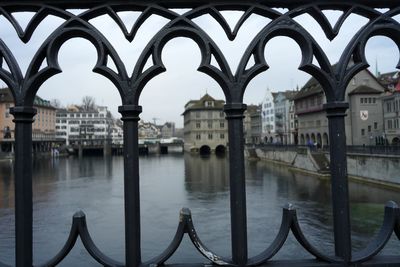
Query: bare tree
55 103
88 103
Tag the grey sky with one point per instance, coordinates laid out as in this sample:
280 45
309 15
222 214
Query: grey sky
164 96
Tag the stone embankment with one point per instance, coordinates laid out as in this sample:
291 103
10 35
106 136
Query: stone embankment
379 169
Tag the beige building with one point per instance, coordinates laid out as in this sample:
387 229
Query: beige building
43 128
252 124
364 120
205 127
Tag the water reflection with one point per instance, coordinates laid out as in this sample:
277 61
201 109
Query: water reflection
206 175
168 183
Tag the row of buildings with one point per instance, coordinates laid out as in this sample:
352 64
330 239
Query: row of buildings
71 126
298 117
289 117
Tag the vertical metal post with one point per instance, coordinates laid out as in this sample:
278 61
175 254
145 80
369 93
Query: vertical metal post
23 118
130 117
336 113
234 115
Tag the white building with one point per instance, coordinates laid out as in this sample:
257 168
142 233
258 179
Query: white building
117 134
284 117
268 117
148 130
76 125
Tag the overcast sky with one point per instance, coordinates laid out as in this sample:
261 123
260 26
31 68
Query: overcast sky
164 96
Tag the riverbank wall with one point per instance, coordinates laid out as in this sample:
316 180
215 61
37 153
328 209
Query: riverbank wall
379 169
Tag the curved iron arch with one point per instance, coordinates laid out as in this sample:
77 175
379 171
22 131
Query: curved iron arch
147 11
379 25
49 51
285 26
181 28
42 12
13 77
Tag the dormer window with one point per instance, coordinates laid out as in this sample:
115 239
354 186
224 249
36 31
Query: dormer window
209 103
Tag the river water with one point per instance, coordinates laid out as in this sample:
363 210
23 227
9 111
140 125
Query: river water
168 183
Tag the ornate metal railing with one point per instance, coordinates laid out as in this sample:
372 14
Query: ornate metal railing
233 84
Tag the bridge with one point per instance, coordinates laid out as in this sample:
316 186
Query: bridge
106 147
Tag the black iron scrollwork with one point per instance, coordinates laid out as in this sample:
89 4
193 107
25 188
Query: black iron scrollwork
333 80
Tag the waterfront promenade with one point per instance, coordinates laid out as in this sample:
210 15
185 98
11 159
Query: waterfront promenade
375 164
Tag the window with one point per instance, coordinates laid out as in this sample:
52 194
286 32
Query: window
375 125
388 107
390 124
361 100
198 136
209 103
221 124
369 128
222 136
374 100
210 136
369 100
198 124
221 114
362 132
209 124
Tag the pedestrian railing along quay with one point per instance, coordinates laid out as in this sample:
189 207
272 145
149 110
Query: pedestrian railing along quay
393 150
380 16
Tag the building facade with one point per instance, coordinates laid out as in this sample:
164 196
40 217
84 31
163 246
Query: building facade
168 130
117 134
252 124
205 127
284 122
43 127
391 119
268 117
363 123
390 80
148 130
76 125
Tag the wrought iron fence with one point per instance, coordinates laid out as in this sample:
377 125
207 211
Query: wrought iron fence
233 84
